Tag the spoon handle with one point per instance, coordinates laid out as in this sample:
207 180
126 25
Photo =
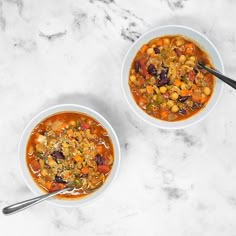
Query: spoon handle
224 78
14 208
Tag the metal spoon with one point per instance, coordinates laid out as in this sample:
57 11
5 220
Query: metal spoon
30 202
224 78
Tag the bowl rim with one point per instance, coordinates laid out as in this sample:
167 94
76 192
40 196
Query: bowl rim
157 122
30 183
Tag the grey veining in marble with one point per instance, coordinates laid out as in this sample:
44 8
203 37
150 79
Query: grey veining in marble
178 183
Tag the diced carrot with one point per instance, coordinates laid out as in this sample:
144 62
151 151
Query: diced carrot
35 165
85 170
159 42
66 174
185 92
177 82
194 86
189 51
164 114
99 149
144 48
70 132
86 151
153 55
78 158
48 185
50 158
150 89
203 100
103 168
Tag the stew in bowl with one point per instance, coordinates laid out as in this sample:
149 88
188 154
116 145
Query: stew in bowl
73 147
161 81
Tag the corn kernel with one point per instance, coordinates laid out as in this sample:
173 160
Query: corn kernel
132 78
163 89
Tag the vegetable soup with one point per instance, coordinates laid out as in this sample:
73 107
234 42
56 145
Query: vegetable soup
165 81
69 149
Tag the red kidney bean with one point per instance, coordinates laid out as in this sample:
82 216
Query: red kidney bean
182 111
59 179
157 50
98 159
178 52
58 155
183 98
152 70
136 66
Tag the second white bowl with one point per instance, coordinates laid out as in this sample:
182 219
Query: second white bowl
204 43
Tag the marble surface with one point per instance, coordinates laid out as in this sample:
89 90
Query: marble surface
178 183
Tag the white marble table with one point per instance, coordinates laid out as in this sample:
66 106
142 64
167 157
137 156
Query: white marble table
178 183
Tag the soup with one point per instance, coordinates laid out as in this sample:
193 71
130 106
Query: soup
165 81
69 149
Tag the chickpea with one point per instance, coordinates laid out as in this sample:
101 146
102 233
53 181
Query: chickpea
170 103
163 89
132 78
150 51
166 42
182 59
179 42
192 58
175 108
174 96
207 91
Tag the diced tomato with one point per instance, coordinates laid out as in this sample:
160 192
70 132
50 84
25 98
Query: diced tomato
142 63
56 186
103 168
35 165
84 125
178 52
191 75
85 170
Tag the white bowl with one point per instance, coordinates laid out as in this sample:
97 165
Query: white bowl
22 154
204 43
